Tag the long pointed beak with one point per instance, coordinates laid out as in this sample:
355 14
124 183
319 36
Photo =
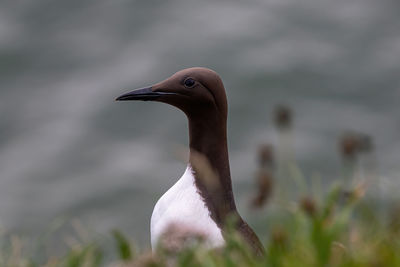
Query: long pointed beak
144 94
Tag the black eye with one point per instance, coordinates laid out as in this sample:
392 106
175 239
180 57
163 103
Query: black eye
189 82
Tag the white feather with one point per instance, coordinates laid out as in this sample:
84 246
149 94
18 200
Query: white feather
183 205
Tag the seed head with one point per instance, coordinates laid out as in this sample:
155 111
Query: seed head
176 237
265 155
349 145
308 205
283 117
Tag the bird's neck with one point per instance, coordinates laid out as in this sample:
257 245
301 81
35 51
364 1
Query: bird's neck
209 138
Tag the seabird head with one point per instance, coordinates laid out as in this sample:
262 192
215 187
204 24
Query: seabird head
192 90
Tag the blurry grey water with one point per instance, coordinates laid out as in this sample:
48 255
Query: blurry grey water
68 150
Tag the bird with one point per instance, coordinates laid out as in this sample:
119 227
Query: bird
198 92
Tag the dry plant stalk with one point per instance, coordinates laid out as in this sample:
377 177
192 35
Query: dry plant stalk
264 176
205 172
264 187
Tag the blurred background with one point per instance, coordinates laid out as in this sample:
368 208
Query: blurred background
68 150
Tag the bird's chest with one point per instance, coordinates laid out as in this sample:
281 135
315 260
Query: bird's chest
183 206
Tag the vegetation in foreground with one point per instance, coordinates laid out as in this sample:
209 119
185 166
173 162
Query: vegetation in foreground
336 231
344 228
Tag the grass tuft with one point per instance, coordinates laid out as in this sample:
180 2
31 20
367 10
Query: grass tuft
338 230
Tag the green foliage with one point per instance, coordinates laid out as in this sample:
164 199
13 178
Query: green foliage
89 255
335 231
123 246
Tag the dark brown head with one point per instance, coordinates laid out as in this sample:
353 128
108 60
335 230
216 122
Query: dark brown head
193 90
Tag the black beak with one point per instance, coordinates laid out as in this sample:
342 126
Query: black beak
145 94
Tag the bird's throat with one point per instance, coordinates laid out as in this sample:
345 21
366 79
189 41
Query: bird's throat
209 138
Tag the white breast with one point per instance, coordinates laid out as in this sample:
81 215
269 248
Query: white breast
182 205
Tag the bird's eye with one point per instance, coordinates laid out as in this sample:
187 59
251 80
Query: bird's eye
189 82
